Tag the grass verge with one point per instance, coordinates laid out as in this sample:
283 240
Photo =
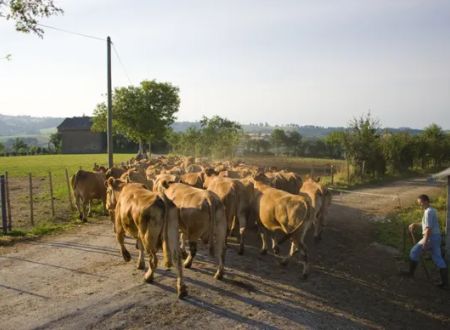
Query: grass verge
393 230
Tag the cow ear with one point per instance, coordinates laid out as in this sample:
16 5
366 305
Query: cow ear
317 179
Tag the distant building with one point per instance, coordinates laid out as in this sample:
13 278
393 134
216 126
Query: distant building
77 137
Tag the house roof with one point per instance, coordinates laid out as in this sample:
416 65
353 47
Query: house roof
442 174
76 123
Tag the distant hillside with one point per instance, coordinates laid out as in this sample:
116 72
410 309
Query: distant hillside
27 125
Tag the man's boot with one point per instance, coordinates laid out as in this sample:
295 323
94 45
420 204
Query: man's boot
412 269
444 278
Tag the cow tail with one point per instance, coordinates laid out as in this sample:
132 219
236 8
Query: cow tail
212 216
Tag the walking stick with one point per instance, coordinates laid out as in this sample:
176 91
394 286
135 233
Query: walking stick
425 268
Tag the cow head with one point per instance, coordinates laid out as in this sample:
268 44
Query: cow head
113 189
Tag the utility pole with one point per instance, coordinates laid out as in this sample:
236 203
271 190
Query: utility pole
109 142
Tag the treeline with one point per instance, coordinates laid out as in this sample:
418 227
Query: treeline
370 149
28 146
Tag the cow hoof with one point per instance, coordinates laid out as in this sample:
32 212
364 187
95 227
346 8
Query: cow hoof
182 292
141 265
276 250
184 254
218 276
148 278
263 252
84 220
188 262
304 276
241 252
284 262
126 255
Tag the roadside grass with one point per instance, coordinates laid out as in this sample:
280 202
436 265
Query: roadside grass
393 230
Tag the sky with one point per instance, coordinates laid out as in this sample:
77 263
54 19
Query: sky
279 61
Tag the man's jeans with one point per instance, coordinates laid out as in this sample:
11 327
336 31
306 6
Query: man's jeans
434 245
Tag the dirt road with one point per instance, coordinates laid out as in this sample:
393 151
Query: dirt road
79 280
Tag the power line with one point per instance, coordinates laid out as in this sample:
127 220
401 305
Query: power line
71 32
121 63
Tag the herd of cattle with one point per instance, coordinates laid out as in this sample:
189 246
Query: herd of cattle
168 201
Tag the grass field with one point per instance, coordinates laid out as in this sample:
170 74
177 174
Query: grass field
39 165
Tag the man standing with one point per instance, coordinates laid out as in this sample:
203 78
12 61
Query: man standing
431 240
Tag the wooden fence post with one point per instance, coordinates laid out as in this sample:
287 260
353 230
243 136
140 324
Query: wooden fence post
51 193
3 201
8 202
69 190
30 183
332 173
348 172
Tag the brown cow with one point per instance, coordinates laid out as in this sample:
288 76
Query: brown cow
321 200
281 211
87 186
152 220
202 216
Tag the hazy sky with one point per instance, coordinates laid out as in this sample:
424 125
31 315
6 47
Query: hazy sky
306 62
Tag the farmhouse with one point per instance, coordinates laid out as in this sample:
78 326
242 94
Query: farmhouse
77 137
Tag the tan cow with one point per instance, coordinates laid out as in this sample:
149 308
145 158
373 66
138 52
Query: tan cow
193 179
236 195
286 181
194 168
150 218
321 200
136 176
281 211
202 216
87 186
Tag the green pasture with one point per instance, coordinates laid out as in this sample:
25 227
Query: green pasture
40 165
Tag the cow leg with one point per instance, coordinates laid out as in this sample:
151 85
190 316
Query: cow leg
174 250
120 236
184 254
84 212
304 262
220 248
192 253
263 234
78 204
89 213
153 263
105 211
242 226
294 249
141 261
275 247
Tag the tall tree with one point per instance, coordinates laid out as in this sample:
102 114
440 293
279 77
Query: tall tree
220 135
278 139
56 140
141 113
26 13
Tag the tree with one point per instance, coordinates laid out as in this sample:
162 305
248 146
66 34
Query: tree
2 147
398 151
56 140
362 145
278 139
140 113
436 147
220 135
294 143
26 13
19 146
